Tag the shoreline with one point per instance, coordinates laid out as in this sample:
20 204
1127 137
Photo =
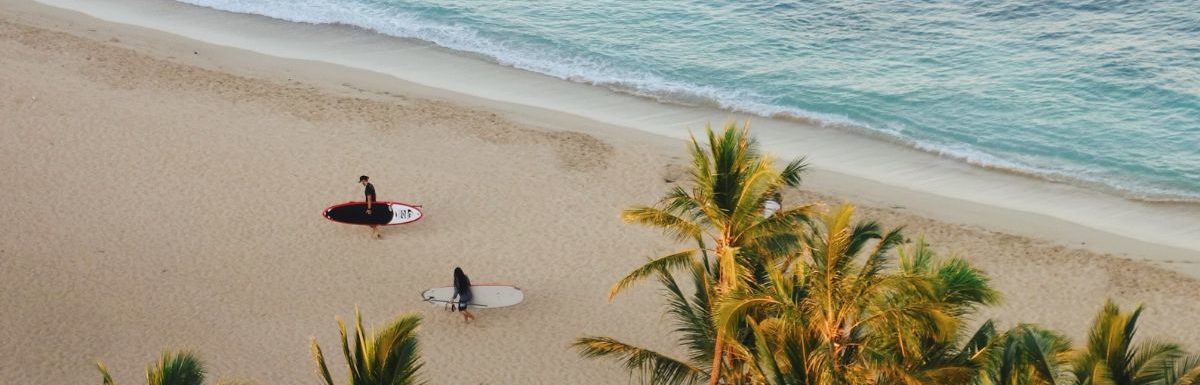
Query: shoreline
710 101
128 117
1167 230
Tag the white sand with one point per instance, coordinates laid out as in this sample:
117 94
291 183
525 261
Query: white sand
138 166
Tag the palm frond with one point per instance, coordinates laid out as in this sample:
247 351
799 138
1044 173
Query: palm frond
1185 371
354 370
108 380
778 235
1028 354
652 367
862 233
693 322
765 355
732 311
1152 360
918 258
977 345
1045 354
836 239
396 351
319 358
666 263
791 174
785 220
675 227
773 245
390 357
877 260
687 206
963 285
756 181
1112 355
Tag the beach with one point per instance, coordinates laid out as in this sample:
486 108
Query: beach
164 193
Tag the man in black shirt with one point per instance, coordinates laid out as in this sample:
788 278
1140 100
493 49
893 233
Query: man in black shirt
369 192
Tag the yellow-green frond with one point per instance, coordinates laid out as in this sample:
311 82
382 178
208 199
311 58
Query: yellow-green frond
651 366
653 266
671 224
319 359
108 380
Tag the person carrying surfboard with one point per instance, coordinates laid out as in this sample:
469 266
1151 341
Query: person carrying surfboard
369 192
462 294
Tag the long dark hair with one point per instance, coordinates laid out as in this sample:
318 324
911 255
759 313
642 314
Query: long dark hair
462 284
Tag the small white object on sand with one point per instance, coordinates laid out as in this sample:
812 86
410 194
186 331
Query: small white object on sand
770 207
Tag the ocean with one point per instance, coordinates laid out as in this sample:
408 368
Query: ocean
1104 94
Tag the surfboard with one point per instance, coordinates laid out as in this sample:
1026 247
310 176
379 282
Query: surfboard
382 213
484 296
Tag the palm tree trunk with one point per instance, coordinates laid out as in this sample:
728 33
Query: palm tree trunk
719 346
721 288
718 353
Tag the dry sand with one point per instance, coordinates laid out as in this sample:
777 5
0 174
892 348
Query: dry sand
138 168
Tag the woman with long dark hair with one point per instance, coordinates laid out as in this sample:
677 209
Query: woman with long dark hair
462 292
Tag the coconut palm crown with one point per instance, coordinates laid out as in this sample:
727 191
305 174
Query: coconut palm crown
730 179
1111 356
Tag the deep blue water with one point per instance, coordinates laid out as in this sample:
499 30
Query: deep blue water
1101 93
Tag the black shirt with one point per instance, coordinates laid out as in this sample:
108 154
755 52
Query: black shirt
370 192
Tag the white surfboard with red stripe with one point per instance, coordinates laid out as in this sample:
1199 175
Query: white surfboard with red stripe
483 296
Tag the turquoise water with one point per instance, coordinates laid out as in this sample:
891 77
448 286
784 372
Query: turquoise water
1104 94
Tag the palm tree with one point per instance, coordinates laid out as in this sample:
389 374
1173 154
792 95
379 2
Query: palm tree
182 368
836 316
391 357
1111 356
730 181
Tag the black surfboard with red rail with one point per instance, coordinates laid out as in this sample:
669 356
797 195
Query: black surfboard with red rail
382 213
